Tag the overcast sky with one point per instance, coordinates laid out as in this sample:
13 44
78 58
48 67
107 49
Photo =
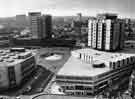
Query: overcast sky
125 8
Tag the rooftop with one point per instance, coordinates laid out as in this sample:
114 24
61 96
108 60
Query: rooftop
8 58
77 67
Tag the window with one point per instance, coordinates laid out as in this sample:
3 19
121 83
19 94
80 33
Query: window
78 93
88 93
79 87
88 88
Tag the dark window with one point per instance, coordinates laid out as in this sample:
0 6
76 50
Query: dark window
88 93
79 87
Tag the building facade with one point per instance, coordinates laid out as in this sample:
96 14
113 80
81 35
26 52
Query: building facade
48 26
34 18
21 20
41 25
100 30
85 79
106 33
5 39
45 26
79 16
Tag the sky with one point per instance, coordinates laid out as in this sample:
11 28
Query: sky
124 8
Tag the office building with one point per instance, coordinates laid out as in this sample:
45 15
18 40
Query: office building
46 26
21 20
100 30
122 36
93 71
112 33
16 65
34 18
5 39
92 33
106 32
41 25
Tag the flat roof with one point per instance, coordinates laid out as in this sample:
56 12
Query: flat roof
77 67
8 58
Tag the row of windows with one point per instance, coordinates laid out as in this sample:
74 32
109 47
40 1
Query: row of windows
99 36
94 37
73 78
99 43
80 93
77 87
85 88
122 63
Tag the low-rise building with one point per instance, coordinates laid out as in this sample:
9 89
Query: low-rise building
88 72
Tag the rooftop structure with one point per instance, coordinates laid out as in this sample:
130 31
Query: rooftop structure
107 16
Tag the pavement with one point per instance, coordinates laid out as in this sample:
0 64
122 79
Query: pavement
53 66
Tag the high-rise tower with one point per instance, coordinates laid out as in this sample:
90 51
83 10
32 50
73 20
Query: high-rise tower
106 32
35 24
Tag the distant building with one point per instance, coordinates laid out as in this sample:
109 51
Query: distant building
129 44
41 25
46 26
21 20
130 29
34 18
84 30
5 39
80 25
106 32
122 33
79 17
107 16
131 36
76 25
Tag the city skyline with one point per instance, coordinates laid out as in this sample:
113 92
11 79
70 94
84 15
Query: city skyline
124 8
